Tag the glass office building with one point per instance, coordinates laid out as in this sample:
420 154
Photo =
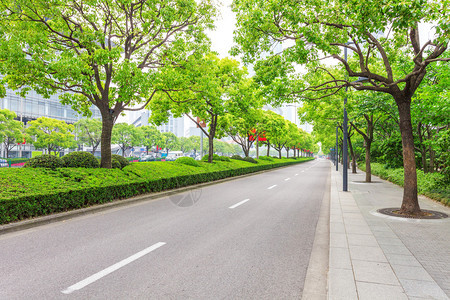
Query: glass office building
34 106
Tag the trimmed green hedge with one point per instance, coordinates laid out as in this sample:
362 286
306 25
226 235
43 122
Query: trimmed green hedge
29 192
432 185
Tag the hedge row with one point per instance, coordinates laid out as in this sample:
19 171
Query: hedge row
28 193
432 185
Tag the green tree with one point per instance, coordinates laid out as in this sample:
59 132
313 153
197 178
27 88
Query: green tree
126 136
274 128
195 140
317 27
11 131
205 90
53 135
105 53
150 137
242 128
170 141
89 131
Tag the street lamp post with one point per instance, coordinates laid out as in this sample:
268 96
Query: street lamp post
336 156
345 131
344 142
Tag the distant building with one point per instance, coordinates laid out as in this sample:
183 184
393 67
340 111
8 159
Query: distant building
34 106
174 125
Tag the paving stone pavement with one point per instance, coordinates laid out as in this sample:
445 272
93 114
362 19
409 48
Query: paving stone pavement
373 256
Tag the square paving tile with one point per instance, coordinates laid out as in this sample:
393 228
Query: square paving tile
423 289
395 249
414 273
341 284
374 272
377 291
358 229
385 234
367 253
362 240
338 240
402 260
389 241
340 258
337 227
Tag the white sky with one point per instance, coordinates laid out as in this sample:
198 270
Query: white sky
222 36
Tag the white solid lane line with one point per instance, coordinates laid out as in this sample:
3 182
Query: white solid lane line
115 267
271 187
287 179
240 203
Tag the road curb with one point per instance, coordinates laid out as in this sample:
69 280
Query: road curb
44 220
315 286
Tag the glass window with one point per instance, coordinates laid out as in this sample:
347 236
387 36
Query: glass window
14 105
41 108
52 110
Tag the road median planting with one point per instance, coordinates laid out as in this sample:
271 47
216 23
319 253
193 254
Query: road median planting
33 192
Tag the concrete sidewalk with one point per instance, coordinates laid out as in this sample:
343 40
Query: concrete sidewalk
373 256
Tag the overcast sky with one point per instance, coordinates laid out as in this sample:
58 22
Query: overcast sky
222 37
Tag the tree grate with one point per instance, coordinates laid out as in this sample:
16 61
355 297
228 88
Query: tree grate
427 214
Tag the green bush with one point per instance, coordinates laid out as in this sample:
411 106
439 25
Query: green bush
187 161
45 161
80 160
250 160
429 184
268 158
18 160
115 163
224 158
236 157
122 160
215 157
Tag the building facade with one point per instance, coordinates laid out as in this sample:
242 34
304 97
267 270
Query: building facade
34 106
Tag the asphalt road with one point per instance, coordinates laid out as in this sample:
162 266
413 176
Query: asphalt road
248 238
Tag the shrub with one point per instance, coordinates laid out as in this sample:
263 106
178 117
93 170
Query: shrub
115 164
122 160
28 192
224 158
236 157
250 159
215 157
18 160
268 158
45 161
80 160
187 161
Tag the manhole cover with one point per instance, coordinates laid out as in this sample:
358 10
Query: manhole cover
427 214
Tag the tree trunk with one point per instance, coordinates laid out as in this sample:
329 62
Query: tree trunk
257 147
352 154
410 204
107 126
287 152
368 166
210 148
279 154
268 149
423 149
246 151
432 153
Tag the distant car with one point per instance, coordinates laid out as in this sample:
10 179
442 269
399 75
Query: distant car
148 158
171 157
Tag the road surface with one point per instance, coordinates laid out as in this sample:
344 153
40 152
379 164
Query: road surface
248 238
